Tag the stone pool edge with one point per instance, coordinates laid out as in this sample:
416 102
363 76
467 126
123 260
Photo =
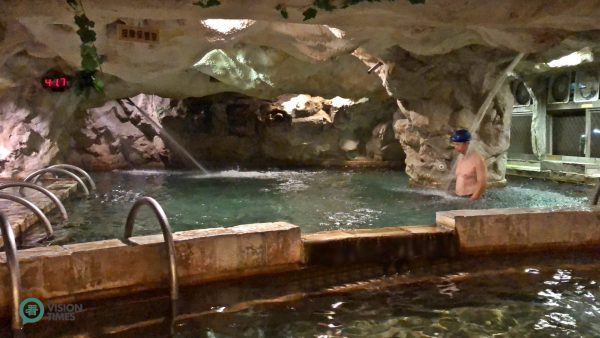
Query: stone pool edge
94 270
100 269
520 230
21 218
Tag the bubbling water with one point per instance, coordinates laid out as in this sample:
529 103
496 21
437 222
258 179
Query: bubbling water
475 144
314 200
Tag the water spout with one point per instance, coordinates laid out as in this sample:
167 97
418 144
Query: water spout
476 144
377 65
492 93
168 136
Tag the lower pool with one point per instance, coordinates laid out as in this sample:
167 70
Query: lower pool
315 200
547 295
527 301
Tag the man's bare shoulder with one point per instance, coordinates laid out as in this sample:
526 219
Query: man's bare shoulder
479 157
479 161
475 155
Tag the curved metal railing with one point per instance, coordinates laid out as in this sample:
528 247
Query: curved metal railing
34 175
44 191
32 207
167 235
596 194
79 170
10 248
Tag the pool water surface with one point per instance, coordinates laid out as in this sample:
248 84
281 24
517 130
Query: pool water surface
542 295
536 300
314 200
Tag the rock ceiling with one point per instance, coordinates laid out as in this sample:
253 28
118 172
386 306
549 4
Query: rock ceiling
267 55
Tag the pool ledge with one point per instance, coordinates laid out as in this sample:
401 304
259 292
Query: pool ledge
22 218
112 267
386 246
522 229
85 271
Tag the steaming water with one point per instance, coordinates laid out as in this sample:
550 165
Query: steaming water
314 200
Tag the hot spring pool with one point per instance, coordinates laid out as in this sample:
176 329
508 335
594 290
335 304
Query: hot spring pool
531 300
546 295
314 200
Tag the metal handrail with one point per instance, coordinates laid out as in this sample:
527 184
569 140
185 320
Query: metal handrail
44 191
33 208
35 174
10 248
596 194
79 170
167 235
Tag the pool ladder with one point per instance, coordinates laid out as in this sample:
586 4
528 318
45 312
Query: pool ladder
8 236
596 194
10 248
41 189
168 237
37 211
33 177
166 231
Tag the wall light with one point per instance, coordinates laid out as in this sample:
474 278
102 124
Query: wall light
4 153
573 59
226 26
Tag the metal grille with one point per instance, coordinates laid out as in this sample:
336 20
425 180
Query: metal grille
520 135
568 134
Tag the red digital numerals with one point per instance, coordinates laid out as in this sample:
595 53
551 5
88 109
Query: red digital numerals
58 83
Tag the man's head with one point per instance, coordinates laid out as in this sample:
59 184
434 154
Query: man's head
460 140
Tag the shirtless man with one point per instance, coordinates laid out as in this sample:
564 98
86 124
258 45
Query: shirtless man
471 173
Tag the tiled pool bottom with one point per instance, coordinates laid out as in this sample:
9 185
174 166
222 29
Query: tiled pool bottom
321 200
505 295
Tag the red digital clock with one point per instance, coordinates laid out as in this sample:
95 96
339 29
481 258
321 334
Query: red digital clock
56 83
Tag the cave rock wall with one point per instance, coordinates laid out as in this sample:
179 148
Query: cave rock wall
234 129
439 94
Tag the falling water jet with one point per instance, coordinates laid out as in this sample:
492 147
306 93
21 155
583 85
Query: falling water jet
475 143
168 136
492 93
446 182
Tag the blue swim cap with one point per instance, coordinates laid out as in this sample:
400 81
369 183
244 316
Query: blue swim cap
460 135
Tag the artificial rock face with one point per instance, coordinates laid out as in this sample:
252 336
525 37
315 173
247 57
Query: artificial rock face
232 128
440 60
117 137
439 94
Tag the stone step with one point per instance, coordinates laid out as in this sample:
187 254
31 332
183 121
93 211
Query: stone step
524 229
22 218
383 245
572 167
